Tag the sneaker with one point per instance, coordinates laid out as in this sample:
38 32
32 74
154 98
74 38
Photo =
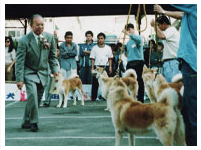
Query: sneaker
101 98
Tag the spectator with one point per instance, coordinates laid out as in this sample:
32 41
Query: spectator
56 39
159 55
85 62
152 48
115 63
67 53
156 56
170 37
101 56
9 59
187 55
35 53
135 57
124 62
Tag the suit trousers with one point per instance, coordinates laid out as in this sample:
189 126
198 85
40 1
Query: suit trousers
137 65
34 95
47 89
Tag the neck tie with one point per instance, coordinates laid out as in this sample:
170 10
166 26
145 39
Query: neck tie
39 42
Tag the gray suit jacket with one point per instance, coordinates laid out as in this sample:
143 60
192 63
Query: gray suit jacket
32 62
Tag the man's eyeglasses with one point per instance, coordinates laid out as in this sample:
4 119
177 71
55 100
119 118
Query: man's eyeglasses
7 41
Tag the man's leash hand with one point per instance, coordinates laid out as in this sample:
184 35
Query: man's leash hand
158 9
20 85
56 74
93 72
110 70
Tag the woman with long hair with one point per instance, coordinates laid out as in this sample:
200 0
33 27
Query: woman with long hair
9 58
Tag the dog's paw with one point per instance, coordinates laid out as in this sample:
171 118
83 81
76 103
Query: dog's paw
64 106
74 104
82 104
58 106
107 109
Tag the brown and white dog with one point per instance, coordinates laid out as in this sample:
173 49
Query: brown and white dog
129 78
135 117
63 86
149 76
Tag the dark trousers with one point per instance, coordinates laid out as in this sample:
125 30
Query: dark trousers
189 103
85 75
137 65
95 85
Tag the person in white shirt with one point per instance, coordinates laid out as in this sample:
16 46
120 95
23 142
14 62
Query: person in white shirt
101 56
9 59
124 60
170 37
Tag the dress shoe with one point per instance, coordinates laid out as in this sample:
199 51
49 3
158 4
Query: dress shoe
34 127
26 125
46 105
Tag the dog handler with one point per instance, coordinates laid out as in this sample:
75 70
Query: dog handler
36 51
101 56
135 57
187 54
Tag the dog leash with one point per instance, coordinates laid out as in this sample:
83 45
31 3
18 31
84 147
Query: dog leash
124 38
157 73
105 66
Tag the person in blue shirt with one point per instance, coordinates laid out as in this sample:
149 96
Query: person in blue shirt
187 55
67 53
135 57
85 62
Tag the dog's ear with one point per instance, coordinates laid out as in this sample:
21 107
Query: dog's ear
155 70
97 68
101 68
105 79
145 69
116 77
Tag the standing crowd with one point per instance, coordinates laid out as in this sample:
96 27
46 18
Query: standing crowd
175 52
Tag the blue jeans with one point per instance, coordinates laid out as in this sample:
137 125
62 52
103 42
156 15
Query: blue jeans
189 103
171 68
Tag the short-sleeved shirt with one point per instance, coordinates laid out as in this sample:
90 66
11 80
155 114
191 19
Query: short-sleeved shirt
9 56
171 43
101 55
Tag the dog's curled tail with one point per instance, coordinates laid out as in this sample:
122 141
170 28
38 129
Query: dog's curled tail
177 78
169 96
130 73
74 76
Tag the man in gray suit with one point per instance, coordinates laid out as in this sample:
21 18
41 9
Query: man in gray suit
36 51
